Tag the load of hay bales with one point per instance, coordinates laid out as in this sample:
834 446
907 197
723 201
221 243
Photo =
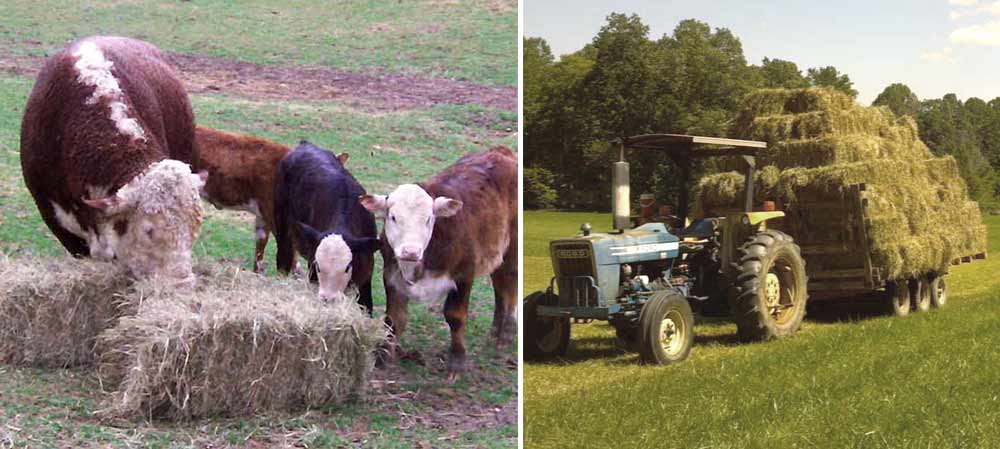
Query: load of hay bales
236 345
822 148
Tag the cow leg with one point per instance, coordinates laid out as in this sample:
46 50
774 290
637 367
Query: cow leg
505 310
365 296
456 313
260 235
396 317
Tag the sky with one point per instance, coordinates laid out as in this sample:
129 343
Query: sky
933 46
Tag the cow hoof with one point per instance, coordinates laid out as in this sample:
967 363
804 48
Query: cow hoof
452 377
412 356
456 366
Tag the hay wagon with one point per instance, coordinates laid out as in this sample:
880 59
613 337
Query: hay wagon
837 236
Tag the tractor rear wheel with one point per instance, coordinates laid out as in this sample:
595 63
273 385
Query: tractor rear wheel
666 329
939 291
897 298
544 337
920 291
769 298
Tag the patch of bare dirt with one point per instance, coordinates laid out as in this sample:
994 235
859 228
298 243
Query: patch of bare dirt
373 91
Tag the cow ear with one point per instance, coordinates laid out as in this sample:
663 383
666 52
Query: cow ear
311 235
374 203
343 157
363 245
109 205
446 207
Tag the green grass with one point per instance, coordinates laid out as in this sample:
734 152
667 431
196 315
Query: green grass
927 380
54 408
473 40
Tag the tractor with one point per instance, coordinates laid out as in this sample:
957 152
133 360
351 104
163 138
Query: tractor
649 281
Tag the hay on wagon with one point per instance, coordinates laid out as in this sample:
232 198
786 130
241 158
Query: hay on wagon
919 217
239 344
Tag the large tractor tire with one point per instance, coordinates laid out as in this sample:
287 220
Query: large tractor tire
769 298
920 292
666 329
898 299
544 337
939 291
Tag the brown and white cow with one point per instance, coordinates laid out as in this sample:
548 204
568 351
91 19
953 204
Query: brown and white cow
442 234
106 140
241 177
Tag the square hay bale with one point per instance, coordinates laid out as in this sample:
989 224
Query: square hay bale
52 310
788 101
810 125
239 345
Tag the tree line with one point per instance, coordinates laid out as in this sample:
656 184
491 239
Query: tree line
692 81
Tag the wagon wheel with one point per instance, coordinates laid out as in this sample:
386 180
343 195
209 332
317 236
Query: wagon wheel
544 337
769 298
938 290
897 298
666 329
920 294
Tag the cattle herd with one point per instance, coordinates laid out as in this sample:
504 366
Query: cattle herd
117 168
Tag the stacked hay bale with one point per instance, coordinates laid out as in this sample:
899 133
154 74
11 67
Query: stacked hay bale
821 148
237 345
51 311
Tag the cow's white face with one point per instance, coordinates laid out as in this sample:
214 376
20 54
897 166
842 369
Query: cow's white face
333 267
409 214
333 258
151 223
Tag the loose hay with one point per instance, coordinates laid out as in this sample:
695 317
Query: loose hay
52 310
920 218
238 345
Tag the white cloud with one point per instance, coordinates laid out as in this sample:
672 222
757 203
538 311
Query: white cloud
992 9
986 35
943 56
962 2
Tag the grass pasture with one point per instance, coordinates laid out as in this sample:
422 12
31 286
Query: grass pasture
437 43
849 379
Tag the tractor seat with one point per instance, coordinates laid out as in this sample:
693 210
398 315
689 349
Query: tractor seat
700 229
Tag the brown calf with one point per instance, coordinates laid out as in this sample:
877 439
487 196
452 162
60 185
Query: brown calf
442 234
106 140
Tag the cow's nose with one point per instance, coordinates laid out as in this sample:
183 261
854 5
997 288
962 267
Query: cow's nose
410 253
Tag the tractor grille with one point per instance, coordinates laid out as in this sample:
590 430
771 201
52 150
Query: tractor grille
575 270
574 260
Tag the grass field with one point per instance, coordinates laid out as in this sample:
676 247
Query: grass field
410 405
849 379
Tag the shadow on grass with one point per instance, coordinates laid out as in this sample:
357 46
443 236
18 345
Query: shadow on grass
845 310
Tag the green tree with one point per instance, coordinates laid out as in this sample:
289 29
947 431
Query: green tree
900 99
829 77
778 73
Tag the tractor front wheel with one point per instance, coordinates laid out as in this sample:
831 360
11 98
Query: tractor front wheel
769 300
544 337
666 329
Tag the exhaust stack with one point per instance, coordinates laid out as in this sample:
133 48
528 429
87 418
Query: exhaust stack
620 192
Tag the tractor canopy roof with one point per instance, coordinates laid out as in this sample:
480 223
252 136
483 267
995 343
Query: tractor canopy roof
694 146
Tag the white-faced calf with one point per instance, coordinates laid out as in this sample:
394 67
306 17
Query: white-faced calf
317 212
440 235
